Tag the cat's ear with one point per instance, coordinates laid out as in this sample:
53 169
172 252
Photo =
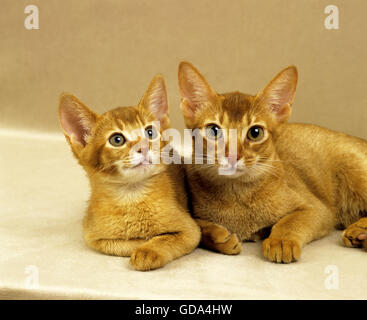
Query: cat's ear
155 99
194 89
76 120
278 95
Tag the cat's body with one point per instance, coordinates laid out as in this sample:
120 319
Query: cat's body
299 180
138 207
305 175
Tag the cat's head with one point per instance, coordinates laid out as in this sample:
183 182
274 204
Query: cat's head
256 119
122 144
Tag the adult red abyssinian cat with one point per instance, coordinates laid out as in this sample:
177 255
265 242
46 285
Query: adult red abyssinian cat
137 207
300 180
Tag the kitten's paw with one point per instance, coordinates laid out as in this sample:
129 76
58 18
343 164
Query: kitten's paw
356 234
281 251
144 259
218 238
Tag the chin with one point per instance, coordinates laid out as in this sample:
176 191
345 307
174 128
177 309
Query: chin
140 172
232 174
243 174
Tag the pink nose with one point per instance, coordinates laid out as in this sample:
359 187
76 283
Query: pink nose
142 150
233 158
142 146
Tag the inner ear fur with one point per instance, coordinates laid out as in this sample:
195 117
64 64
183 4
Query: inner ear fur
76 120
194 89
155 100
279 94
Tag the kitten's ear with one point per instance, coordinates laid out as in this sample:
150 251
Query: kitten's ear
76 120
194 89
155 99
278 95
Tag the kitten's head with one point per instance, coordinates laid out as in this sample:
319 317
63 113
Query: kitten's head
255 119
122 144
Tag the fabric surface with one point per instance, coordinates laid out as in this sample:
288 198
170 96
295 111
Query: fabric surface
42 201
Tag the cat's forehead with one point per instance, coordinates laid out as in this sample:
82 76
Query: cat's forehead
236 108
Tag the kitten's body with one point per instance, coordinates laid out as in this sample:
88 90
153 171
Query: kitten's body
299 180
140 211
137 207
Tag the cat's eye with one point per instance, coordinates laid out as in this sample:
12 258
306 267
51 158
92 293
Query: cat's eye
213 131
151 132
117 140
255 133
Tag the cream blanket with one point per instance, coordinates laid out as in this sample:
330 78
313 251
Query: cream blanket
42 198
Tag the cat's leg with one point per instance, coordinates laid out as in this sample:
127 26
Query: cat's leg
115 247
161 249
217 238
293 231
356 234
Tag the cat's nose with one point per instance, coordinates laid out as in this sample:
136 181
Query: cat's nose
233 158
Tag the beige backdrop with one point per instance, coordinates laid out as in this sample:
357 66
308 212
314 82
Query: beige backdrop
106 52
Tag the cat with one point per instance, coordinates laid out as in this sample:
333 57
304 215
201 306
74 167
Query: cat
137 207
296 181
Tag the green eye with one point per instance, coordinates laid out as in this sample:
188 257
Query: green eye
151 133
117 140
213 131
255 133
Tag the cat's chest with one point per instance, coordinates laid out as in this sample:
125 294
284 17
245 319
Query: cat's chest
223 204
241 214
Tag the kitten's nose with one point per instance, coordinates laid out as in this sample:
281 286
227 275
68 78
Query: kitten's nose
142 150
142 147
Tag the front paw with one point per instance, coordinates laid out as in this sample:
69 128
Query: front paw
218 238
144 259
356 234
281 251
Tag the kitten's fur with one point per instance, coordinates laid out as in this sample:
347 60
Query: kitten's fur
301 180
139 212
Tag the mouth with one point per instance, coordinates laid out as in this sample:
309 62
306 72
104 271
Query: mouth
230 170
142 164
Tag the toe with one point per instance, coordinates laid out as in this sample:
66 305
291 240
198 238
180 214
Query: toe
232 246
281 251
362 236
287 252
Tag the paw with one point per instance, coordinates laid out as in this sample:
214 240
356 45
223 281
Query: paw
144 259
281 251
356 234
218 238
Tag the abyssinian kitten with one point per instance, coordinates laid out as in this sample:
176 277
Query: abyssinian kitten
137 208
300 180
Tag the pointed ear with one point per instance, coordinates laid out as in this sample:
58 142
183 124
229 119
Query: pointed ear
76 120
278 95
155 99
194 89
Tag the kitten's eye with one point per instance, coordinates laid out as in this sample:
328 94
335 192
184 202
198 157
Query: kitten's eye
117 140
151 133
256 133
213 131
